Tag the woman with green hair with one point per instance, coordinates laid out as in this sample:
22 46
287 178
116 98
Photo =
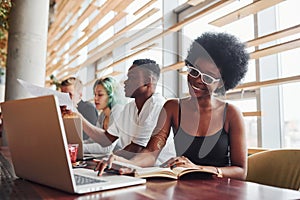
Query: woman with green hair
108 100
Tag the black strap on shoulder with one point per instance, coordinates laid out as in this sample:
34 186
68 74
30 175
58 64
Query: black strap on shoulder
179 112
224 119
224 114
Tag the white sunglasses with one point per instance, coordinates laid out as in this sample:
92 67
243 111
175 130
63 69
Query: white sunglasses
195 73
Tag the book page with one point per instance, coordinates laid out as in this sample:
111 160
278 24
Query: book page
182 170
120 164
148 170
174 173
155 172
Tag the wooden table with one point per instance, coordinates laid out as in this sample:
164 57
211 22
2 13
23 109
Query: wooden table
189 188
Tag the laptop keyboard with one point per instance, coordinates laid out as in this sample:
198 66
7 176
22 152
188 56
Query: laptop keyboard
6 171
83 180
10 186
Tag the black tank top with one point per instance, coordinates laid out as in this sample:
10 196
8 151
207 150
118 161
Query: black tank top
213 150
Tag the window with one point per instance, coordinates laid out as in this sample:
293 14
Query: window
288 16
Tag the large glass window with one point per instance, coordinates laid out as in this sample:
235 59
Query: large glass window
288 16
291 116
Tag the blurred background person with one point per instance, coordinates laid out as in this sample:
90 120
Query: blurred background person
74 87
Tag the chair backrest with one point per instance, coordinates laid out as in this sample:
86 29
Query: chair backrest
255 150
280 168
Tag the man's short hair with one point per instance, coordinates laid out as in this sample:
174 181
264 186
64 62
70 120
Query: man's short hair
72 81
150 65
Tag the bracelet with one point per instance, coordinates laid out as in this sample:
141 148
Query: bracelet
219 173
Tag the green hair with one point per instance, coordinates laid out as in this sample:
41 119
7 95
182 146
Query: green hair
109 85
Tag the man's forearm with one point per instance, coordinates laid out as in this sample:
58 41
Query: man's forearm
129 151
99 135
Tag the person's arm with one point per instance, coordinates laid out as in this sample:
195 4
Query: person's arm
238 145
129 151
161 132
99 135
158 140
92 147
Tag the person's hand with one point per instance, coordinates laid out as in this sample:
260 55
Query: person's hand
108 165
179 162
103 164
66 112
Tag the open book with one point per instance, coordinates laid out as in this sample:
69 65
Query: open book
174 173
166 172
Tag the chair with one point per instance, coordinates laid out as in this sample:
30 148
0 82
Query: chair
280 168
255 150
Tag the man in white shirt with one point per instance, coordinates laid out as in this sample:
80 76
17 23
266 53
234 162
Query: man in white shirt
137 121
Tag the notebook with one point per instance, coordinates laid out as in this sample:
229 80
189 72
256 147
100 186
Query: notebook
38 145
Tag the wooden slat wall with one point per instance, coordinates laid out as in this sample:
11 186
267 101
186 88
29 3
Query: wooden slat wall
274 36
252 114
144 7
259 84
275 49
253 8
188 20
102 52
195 2
117 6
59 35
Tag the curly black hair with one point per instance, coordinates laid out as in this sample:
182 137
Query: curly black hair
227 52
149 65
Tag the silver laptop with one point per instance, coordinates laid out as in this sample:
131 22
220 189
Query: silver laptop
38 145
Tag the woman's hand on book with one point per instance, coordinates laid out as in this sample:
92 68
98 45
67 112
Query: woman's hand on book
179 162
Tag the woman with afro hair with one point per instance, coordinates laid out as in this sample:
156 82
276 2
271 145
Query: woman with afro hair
208 132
